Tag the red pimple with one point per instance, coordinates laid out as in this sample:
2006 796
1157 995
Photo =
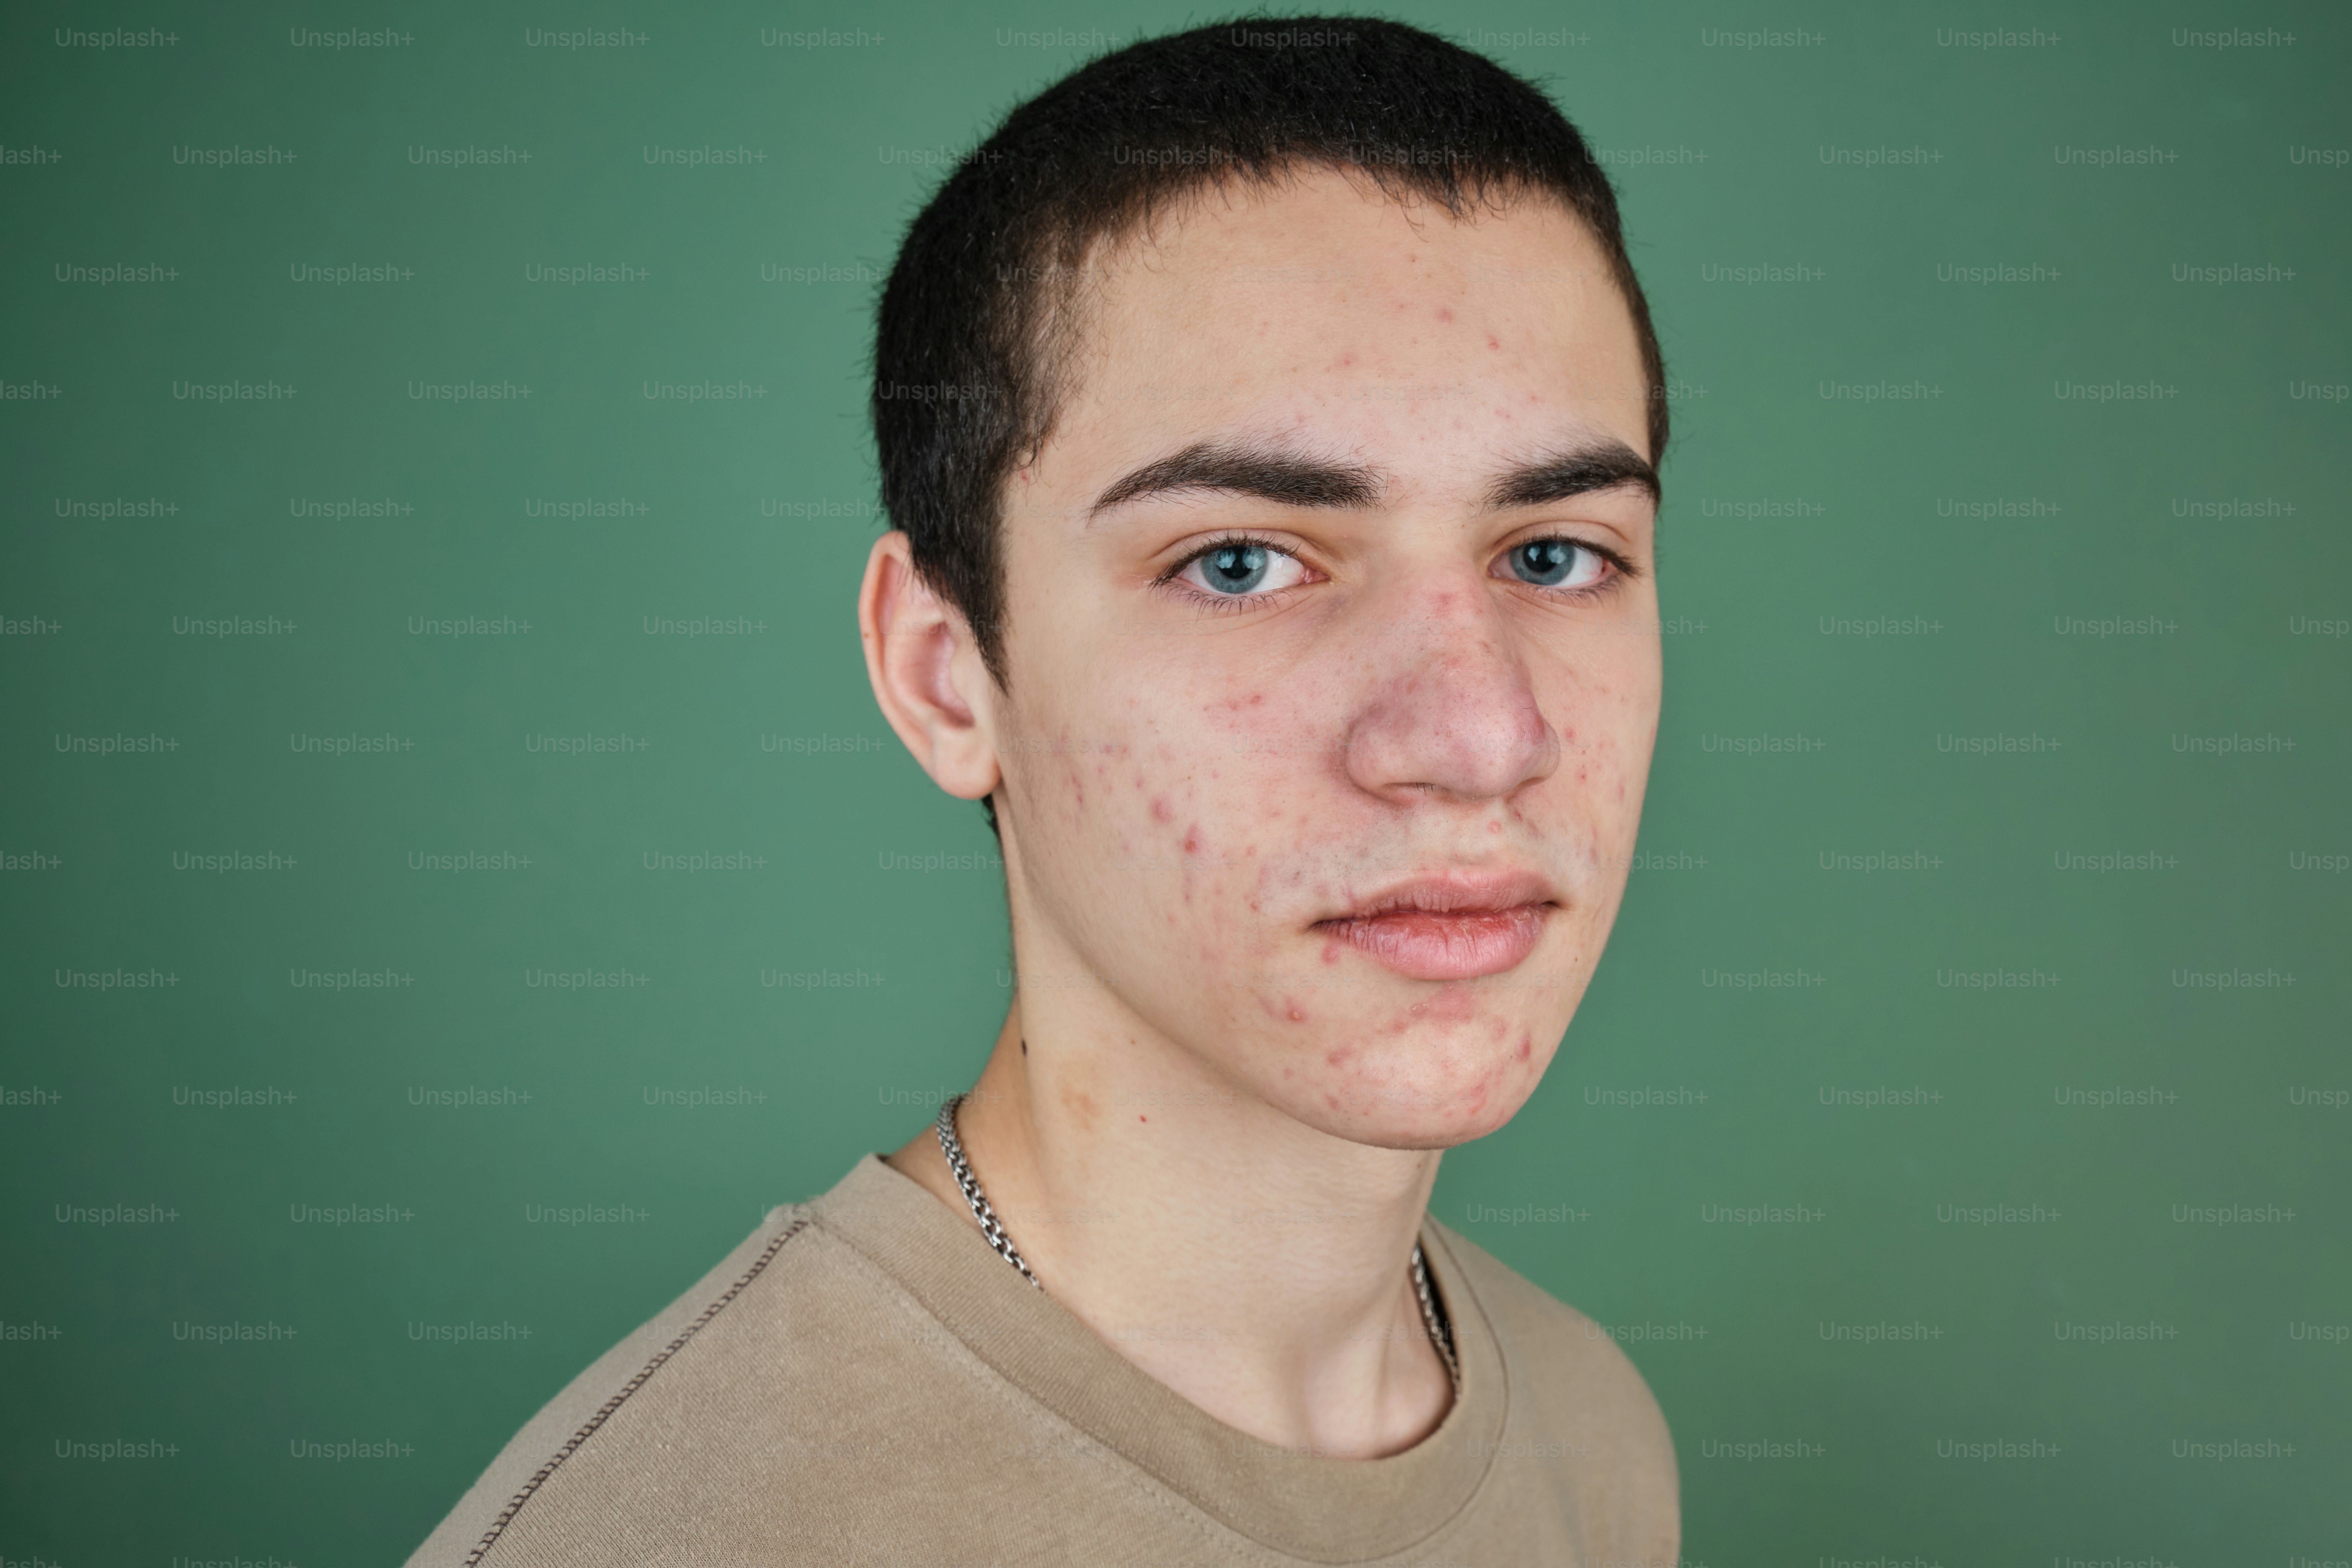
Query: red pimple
1527 1047
1443 314
1160 810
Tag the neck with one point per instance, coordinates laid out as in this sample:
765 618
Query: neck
1257 1267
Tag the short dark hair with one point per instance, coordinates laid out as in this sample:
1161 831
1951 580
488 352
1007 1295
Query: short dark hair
974 318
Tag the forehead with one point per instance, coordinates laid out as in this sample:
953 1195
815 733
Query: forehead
1319 308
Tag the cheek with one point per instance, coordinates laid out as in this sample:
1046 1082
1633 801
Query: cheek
1155 810
1606 713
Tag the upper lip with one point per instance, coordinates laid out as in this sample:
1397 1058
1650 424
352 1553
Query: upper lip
1459 893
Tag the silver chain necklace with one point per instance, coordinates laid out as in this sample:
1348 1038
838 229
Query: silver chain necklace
999 1239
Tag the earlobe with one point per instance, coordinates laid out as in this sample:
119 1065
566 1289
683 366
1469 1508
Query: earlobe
927 672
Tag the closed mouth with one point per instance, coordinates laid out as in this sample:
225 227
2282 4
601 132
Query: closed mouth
1455 927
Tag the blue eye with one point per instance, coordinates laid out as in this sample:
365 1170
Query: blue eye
1544 561
1235 568
1558 564
1242 569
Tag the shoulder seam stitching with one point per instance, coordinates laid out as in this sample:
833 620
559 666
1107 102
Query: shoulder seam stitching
604 1412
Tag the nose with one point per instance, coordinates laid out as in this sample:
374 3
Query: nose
1451 710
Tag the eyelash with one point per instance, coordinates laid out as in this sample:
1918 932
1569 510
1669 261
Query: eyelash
1620 570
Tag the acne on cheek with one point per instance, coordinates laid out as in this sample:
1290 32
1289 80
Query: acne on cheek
1285 1010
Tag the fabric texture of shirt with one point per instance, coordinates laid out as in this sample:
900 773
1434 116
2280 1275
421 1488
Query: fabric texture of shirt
864 1382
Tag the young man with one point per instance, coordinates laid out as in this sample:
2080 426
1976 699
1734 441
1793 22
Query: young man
1269 416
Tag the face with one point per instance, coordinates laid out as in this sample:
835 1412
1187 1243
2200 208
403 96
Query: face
1332 653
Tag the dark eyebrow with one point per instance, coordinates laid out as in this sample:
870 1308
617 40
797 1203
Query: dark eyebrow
1285 479
1604 465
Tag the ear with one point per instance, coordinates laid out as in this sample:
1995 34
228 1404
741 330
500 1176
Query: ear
927 672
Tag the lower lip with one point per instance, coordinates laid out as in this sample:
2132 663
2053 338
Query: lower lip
1421 945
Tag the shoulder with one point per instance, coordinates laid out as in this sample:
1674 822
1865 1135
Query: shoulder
1578 1401
623 1385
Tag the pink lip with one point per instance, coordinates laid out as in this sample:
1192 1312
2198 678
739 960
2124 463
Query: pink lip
1455 927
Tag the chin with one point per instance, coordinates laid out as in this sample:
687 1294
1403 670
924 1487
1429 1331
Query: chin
1414 1130
1419 1098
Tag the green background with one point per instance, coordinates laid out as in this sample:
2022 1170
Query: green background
1791 513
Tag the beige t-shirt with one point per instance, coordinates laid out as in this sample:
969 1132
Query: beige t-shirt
864 1382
